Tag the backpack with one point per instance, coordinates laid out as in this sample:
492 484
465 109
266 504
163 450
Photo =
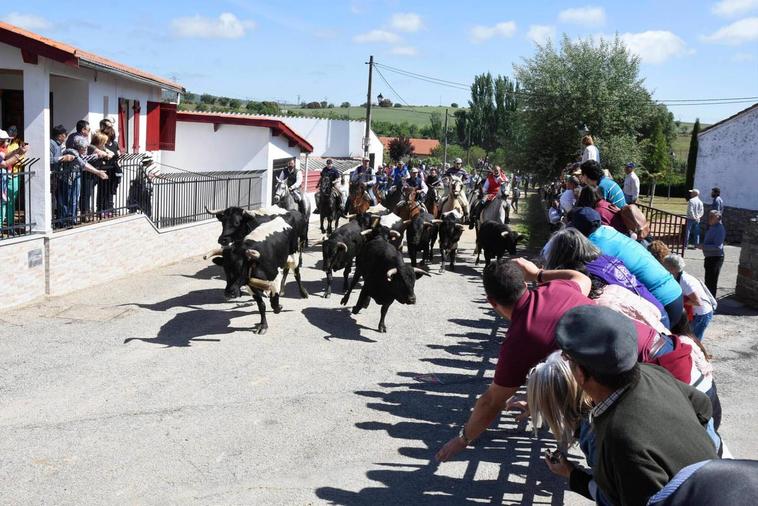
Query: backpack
635 220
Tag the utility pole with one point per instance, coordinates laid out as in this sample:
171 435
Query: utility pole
367 140
444 160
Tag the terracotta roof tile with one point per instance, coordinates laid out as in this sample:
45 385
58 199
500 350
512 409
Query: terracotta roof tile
421 147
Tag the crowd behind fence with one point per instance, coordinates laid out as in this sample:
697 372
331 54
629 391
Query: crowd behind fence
168 198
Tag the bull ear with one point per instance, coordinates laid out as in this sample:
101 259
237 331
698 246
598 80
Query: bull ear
253 254
218 261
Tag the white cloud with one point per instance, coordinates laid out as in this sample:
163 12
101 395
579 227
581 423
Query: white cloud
505 29
744 30
407 22
404 51
655 46
377 36
540 34
743 57
226 26
728 8
588 16
28 21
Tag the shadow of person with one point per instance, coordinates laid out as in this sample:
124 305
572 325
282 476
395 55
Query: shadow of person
192 326
211 271
336 323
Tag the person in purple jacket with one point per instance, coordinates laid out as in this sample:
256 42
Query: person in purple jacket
570 249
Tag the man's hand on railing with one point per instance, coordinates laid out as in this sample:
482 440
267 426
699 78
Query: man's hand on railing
102 174
67 158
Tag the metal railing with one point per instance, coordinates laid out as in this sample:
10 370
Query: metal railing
666 227
168 199
15 199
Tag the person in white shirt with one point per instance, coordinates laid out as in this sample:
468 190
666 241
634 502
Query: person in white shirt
590 150
631 184
695 293
568 197
694 213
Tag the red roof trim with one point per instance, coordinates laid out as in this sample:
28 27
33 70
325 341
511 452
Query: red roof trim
277 127
70 55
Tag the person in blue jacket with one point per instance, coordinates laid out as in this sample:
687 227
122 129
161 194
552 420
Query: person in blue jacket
637 259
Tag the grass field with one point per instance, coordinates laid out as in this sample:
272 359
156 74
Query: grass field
413 115
672 205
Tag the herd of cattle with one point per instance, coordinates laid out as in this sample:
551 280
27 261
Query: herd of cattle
258 248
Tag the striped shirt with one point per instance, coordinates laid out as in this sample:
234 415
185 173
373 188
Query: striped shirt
612 192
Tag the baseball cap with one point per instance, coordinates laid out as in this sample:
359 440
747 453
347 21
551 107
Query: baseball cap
585 220
4 135
631 165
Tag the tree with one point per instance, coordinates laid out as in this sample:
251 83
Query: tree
454 105
385 102
481 112
345 105
692 155
313 105
658 159
323 104
400 147
398 105
201 108
207 99
435 127
584 82
222 101
234 103
190 98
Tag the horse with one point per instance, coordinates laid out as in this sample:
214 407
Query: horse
359 198
329 205
284 199
409 208
454 199
432 202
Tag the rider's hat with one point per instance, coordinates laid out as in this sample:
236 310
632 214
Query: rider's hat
458 160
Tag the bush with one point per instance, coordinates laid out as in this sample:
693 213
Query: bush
205 98
201 108
454 105
386 102
345 105
398 105
313 105
234 103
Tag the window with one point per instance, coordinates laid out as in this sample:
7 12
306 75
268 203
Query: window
161 126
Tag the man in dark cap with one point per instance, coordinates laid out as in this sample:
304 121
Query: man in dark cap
648 425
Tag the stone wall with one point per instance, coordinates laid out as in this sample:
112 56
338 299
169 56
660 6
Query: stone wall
79 258
747 272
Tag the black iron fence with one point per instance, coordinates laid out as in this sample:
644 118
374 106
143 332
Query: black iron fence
666 227
15 199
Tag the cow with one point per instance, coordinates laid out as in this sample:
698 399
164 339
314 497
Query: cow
341 247
496 239
419 233
450 227
237 222
386 278
261 260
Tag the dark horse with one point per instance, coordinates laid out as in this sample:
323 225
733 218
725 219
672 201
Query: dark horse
329 205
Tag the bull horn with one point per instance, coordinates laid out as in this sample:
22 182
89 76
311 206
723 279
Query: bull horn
391 273
407 222
395 233
428 223
504 233
350 216
252 254
437 222
366 232
213 253
421 271
213 211
460 226
342 245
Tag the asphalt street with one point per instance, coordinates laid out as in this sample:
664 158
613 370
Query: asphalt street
153 390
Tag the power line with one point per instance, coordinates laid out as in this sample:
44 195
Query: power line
391 88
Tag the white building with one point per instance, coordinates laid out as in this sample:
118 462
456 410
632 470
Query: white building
727 157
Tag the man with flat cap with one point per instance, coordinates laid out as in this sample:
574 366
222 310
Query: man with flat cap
648 426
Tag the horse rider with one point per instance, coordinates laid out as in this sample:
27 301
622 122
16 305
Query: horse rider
490 189
329 171
294 179
459 172
417 181
363 174
433 180
381 178
398 176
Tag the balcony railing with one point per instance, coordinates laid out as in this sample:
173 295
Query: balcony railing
15 204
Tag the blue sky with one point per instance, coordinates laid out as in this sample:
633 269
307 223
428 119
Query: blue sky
317 49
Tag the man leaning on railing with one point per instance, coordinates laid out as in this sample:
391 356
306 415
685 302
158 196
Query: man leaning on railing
8 181
57 138
69 181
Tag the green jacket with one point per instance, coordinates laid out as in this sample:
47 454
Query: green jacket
650 433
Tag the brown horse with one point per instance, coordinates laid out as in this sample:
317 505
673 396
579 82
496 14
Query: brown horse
359 198
432 202
409 208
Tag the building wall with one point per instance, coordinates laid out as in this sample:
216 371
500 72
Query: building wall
22 282
727 157
747 272
99 253
70 101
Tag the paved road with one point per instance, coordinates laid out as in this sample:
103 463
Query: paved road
151 390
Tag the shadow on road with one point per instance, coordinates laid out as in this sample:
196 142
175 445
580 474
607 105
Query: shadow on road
191 326
504 465
337 323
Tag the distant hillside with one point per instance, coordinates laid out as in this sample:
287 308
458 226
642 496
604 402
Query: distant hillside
416 115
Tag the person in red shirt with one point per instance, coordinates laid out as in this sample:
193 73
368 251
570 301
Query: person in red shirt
609 214
533 316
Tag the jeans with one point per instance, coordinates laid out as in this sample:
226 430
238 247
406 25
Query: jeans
675 310
693 228
699 323
712 270
67 200
629 199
